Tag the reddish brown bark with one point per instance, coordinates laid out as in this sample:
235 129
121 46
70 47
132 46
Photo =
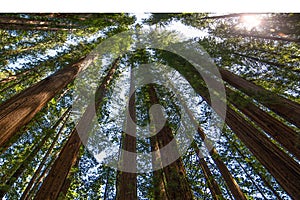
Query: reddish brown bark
286 108
283 134
230 181
20 109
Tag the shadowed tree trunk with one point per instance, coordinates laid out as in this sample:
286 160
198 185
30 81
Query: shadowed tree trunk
230 181
176 183
127 181
53 183
286 108
280 165
266 37
10 20
283 134
21 108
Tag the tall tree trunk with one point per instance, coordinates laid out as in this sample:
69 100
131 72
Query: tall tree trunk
253 181
53 183
284 169
177 185
5 26
21 108
284 107
41 177
127 181
65 187
230 181
42 163
212 184
280 165
18 171
254 168
159 188
275 64
283 134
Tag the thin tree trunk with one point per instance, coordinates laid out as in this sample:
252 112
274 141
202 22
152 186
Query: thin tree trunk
230 181
4 26
159 188
284 107
59 171
19 170
278 65
21 108
14 77
212 184
177 185
228 16
127 181
41 177
105 196
253 181
42 163
251 165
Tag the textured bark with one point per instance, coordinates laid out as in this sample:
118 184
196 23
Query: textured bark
176 183
21 108
212 184
279 164
54 181
65 187
286 108
127 181
283 134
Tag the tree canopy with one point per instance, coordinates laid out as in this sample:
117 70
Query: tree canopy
111 106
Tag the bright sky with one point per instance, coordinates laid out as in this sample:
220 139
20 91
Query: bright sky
187 31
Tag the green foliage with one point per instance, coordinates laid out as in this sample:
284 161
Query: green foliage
268 56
